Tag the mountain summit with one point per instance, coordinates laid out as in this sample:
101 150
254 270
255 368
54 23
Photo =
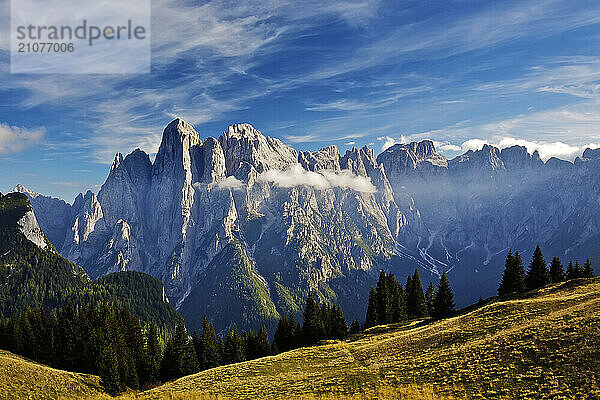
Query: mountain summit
242 226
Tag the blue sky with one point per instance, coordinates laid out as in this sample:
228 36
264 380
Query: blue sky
314 73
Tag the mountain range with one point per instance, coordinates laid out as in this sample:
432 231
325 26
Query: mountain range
241 227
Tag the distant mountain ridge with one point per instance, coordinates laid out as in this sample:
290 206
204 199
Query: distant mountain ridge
241 226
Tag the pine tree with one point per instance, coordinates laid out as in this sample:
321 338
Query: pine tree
588 271
383 296
537 275
234 351
519 282
578 270
513 278
430 298
210 352
312 328
443 304
355 327
296 331
506 283
263 345
557 273
372 317
571 273
197 345
153 354
399 305
415 298
339 326
108 369
282 339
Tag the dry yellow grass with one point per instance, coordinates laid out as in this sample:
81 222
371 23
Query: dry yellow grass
23 379
545 346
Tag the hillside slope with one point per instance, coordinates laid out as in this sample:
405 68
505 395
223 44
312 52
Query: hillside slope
23 379
33 274
543 346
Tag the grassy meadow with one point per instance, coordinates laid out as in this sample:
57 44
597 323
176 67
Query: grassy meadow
546 345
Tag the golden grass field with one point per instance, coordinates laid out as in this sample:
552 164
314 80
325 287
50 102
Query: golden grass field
23 379
543 346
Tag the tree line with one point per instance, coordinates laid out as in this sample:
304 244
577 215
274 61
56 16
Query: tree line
391 302
516 280
109 341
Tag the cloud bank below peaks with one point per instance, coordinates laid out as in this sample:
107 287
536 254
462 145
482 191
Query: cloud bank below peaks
298 176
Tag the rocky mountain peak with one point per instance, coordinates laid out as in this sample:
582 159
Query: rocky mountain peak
116 162
178 137
591 153
359 161
242 143
327 158
29 193
518 157
402 159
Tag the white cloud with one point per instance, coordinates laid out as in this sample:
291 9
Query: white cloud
14 139
231 182
473 144
446 146
298 176
546 149
389 141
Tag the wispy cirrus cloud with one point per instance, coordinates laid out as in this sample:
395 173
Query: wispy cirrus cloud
14 139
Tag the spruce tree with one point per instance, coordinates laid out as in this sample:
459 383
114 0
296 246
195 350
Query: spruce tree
588 271
508 276
263 346
537 275
355 327
430 298
312 327
234 351
383 296
571 273
210 351
108 369
557 273
339 326
296 331
153 354
578 270
443 304
399 305
415 297
519 274
282 339
372 318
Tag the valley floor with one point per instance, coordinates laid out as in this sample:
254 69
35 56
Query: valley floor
544 346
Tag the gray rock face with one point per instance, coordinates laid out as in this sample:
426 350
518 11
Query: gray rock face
242 226
29 227
267 221
55 214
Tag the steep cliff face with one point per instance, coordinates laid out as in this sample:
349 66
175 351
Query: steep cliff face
240 227
240 220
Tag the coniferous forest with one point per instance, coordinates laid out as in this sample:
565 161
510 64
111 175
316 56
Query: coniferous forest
106 339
